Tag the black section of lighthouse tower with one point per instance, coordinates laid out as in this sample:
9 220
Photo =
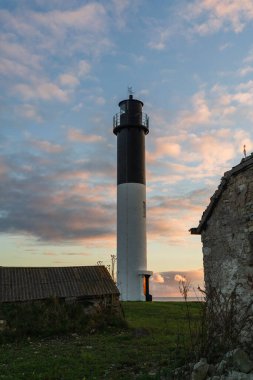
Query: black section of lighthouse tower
130 126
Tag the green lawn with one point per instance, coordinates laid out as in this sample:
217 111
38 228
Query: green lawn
151 345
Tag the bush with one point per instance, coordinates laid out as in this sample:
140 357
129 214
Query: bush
223 320
53 317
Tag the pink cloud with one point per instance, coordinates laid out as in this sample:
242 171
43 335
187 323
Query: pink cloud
198 157
41 90
245 98
245 70
219 14
174 229
68 80
47 146
75 254
74 174
83 68
49 254
164 146
19 54
170 286
30 112
157 278
201 114
88 17
11 68
3 169
76 135
179 278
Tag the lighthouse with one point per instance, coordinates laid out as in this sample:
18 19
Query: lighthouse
131 126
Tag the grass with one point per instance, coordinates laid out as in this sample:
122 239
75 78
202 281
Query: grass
154 343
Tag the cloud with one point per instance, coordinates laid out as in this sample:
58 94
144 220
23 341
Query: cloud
77 107
83 68
245 71
228 14
46 146
170 286
72 79
187 157
66 254
203 18
68 80
249 58
3 168
157 278
199 134
41 90
49 254
30 111
77 136
161 35
43 197
35 213
194 155
200 115
169 218
225 46
122 11
100 100
79 28
18 57
59 34
164 146
11 68
75 254
87 17
179 278
238 97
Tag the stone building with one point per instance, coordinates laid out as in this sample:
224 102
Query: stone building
226 229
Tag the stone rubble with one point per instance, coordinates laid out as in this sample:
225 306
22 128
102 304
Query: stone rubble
200 370
235 365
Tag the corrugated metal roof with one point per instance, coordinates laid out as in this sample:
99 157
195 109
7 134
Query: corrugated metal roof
23 284
242 166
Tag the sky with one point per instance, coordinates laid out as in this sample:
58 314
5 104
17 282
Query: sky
64 67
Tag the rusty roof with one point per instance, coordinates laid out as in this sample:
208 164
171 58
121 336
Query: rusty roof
23 284
243 165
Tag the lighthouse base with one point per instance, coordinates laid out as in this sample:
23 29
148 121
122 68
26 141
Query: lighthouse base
141 291
131 240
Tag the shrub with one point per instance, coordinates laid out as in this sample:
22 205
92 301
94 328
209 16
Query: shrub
54 317
223 321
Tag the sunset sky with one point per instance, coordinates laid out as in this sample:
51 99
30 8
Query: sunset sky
64 67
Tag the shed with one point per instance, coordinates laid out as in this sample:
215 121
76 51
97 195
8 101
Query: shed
79 283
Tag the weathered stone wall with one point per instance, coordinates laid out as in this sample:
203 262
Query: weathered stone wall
228 239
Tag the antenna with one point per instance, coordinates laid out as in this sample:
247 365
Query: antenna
244 150
130 90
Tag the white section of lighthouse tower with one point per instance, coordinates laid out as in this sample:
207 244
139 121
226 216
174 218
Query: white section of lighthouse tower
131 126
131 242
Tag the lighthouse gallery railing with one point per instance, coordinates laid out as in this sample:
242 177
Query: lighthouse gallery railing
143 120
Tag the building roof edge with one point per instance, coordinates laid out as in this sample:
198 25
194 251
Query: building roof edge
243 165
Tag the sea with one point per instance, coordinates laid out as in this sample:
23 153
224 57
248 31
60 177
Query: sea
176 299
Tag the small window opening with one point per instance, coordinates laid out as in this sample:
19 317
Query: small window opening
144 209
